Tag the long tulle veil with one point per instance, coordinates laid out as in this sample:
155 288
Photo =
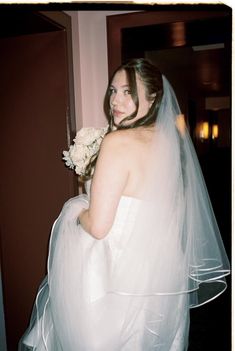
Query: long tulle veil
176 246
175 256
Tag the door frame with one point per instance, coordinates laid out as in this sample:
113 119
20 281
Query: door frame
63 21
116 23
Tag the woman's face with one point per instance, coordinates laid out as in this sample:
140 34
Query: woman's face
121 102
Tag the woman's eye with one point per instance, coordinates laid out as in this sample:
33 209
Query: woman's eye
127 92
111 91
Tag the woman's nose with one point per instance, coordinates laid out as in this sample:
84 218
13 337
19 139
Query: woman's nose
112 101
115 99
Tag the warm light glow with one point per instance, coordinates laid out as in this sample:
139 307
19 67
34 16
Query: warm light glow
215 131
204 130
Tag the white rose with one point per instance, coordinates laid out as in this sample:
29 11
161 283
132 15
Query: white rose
85 136
86 144
67 159
77 153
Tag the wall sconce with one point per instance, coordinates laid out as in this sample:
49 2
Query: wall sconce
204 131
215 131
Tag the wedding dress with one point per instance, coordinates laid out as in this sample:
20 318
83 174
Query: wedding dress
132 290
74 311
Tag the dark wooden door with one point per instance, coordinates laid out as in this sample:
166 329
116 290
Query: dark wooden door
34 105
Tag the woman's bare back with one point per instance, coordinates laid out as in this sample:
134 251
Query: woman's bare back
138 158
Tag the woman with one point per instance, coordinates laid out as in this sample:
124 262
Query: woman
125 266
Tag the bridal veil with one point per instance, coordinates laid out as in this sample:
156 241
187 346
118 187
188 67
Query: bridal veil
176 246
175 258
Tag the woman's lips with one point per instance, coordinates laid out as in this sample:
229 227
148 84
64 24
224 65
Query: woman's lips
117 113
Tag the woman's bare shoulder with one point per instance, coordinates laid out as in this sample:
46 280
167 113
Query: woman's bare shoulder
127 139
116 138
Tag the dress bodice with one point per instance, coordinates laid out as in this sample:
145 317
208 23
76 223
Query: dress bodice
123 224
124 218
125 214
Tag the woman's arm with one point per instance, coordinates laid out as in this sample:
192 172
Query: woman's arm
109 180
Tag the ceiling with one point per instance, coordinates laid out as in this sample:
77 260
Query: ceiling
15 22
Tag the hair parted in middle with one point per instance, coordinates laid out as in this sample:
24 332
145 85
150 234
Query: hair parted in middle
151 77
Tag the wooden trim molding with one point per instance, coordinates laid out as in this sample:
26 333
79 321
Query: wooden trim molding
63 22
116 23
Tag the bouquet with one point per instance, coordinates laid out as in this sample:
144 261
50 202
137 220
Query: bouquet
86 144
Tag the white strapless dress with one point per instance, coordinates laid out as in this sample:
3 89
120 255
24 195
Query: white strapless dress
74 309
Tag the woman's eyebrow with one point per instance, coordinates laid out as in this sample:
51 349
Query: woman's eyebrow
122 86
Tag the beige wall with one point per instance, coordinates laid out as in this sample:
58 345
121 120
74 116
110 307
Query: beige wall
90 65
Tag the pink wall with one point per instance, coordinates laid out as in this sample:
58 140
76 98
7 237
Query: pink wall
90 65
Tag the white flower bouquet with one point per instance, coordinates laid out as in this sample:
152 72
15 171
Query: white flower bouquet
86 144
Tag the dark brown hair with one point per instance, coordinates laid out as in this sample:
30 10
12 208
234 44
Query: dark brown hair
151 77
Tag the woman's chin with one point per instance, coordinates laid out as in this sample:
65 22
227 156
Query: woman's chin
117 121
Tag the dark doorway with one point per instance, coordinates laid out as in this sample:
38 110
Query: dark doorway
36 125
192 47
